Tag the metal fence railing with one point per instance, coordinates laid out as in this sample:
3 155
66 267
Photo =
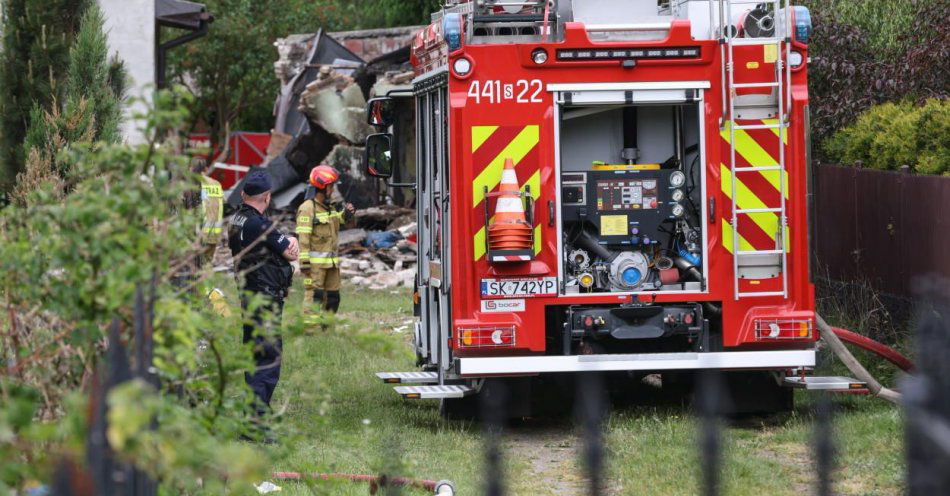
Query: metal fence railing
926 412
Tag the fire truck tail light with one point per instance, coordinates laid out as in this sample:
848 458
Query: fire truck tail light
539 56
462 67
795 59
486 337
782 329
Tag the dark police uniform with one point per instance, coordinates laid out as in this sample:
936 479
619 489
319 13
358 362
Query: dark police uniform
264 272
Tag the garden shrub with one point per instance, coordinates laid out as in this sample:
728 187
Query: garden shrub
891 135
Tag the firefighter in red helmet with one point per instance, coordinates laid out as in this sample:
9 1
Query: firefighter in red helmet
318 227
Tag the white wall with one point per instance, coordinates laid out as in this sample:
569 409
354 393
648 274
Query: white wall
130 27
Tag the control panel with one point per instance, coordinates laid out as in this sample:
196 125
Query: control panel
622 206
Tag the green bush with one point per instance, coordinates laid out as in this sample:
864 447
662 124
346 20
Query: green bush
884 23
70 263
891 135
933 138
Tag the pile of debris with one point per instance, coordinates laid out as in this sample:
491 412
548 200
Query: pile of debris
380 258
379 253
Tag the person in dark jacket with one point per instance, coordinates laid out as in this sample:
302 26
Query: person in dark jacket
262 256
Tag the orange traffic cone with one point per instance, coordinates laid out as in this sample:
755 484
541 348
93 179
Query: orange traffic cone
510 231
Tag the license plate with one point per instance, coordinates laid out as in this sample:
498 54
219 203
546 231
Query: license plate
519 288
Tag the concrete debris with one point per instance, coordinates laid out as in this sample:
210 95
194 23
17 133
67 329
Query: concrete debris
336 103
352 236
359 188
385 217
392 80
292 53
379 268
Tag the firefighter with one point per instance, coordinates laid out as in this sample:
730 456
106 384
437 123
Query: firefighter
206 194
262 258
212 210
318 227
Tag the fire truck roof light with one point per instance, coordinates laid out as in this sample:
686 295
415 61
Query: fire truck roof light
452 31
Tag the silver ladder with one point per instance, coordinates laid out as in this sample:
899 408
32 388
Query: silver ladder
757 264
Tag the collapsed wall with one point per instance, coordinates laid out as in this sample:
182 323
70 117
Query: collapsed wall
326 79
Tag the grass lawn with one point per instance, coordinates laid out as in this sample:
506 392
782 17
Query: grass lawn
337 417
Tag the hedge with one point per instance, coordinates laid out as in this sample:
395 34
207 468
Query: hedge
894 134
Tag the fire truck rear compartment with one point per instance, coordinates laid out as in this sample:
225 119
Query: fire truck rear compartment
631 198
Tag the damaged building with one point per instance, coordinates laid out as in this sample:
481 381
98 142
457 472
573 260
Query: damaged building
320 113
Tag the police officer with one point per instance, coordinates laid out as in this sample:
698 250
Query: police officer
262 255
318 227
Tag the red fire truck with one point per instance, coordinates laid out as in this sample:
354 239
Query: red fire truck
660 151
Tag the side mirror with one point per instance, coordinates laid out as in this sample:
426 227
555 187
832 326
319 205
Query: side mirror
379 111
379 155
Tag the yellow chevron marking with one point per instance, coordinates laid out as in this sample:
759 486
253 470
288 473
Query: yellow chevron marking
480 134
537 239
535 183
727 239
516 151
767 221
479 240
776 131
756 156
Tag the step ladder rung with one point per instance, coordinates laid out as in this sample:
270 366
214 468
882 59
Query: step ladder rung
763 293
759 252
408 377
758 210
818 383
758 169
772 84
755 41
433 392
757 126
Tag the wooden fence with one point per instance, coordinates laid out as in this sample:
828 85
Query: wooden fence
882 227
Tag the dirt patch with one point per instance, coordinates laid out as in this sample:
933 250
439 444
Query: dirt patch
551 454
797 457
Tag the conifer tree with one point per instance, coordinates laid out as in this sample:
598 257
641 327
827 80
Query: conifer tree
37 35
89 111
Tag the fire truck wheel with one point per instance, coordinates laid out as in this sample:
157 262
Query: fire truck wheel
496 401
459 408
755 393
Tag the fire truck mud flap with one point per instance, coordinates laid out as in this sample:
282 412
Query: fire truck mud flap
728 360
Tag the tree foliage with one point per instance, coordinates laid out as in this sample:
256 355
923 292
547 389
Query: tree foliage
230 70
90 109
37 35
72 263
865 53
891 135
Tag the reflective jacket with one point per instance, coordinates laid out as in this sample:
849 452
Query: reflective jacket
212 207
263 265
318 229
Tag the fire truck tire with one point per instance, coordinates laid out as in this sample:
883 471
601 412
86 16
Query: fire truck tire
459 408
497 400
755 393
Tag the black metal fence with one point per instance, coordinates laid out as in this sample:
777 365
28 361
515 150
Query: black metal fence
926 403
926 412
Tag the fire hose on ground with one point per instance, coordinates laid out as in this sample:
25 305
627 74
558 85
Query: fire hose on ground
835 338
438 488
